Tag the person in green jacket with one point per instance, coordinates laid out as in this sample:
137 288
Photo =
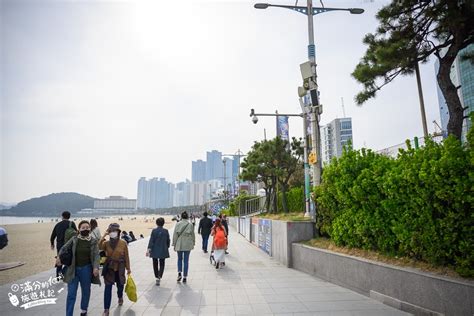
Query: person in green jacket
183 243
84 268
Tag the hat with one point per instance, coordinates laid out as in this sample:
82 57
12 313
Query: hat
114 226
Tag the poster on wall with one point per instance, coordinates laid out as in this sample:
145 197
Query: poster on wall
265 235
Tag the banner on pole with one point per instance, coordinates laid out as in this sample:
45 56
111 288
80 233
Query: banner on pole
283 128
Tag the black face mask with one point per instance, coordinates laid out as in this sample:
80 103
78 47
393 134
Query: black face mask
85 233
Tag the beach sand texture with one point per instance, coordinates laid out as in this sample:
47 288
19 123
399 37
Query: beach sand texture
29 243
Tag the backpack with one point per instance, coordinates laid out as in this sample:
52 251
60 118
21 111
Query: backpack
3 241
69 233
220 239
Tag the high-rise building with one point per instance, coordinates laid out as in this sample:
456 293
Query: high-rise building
334 136
198 171
462 75
141 202
154 193
214 165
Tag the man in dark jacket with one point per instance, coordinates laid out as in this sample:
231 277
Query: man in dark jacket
59 232
205 226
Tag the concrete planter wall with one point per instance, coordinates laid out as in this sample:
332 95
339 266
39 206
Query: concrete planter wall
406 289
284 234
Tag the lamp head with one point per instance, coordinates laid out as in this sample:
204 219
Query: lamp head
261 5
255 119
356 10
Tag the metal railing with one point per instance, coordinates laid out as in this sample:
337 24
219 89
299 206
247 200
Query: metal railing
252 206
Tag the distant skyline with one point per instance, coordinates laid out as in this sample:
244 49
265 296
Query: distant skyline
97 94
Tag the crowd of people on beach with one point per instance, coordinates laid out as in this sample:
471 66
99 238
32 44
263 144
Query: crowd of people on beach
83 249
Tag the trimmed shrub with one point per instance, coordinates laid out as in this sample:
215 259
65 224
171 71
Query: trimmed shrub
418 205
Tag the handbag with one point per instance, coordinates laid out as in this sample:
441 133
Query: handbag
66 256
105 267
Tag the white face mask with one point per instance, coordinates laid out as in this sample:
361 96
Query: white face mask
113 235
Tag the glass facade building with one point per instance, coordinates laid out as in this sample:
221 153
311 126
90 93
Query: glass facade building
334 136
462 74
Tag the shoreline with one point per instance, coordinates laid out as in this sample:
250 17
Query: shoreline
30 242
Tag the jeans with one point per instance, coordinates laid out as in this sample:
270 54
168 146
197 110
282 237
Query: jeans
84 277
59 269
183 256
108 291
205 239
158 272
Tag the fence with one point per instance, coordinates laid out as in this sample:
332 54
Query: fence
252 206
392 151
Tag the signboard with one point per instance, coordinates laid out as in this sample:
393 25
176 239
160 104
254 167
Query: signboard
265 235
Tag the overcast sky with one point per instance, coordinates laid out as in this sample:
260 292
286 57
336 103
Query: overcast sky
95 94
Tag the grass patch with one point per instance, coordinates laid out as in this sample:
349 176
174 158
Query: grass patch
406 262
291 217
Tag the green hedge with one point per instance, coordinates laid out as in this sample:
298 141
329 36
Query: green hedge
418 205
295 200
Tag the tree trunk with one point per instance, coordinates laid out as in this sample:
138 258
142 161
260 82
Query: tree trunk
456 112
274 201
267 199
283 198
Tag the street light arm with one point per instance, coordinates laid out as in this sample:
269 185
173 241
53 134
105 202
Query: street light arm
279 114
304 10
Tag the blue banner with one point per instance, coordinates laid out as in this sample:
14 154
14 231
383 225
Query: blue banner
283 128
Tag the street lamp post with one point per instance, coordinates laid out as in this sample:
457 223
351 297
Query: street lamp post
303 115
316 108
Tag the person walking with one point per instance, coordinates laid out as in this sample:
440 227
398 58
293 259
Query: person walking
84 267
59 234
183 243
95 231
114 268
226 226
219 243
158 246
205 226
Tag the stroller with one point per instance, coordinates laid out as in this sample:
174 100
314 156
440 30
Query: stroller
212 260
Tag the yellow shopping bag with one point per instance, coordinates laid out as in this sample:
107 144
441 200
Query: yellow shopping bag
131 289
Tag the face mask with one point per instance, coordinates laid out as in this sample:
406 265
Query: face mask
113 235
85 232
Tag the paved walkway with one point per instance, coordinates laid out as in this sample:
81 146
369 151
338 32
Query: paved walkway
251 284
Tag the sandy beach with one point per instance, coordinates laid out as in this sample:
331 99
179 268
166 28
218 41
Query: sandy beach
29 243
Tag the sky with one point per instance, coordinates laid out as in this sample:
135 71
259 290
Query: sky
96 94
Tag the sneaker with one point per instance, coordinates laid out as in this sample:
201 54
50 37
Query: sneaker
179 277
157 282
106 312
185 280
84 314
120 301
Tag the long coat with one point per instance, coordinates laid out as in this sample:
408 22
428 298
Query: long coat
183 237
159 243
71 270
